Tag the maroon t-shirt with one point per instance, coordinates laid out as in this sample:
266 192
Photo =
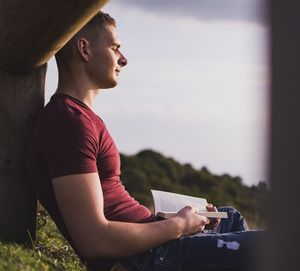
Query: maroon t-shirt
69 138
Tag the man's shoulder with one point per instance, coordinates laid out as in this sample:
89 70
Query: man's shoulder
63 121
65 114
62 109
61 124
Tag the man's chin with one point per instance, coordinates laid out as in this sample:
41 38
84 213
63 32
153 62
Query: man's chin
110 84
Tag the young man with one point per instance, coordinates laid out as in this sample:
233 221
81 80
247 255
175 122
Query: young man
74 167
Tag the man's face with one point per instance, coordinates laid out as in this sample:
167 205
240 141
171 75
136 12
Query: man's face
106 59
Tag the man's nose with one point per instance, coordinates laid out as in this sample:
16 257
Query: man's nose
122 61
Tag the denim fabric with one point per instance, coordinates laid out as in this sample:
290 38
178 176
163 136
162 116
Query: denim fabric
230 247
234 222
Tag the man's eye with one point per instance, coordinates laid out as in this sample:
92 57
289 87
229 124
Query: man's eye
115 49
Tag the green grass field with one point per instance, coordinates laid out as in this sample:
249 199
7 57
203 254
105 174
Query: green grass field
51 251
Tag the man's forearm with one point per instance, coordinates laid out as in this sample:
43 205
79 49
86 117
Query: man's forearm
120 239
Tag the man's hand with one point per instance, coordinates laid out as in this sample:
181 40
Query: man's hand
192 222
214 222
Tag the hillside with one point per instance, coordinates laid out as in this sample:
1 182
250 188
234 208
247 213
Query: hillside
151 170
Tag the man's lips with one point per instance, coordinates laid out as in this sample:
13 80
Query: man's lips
117 71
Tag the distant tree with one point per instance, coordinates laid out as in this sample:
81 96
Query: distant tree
149 169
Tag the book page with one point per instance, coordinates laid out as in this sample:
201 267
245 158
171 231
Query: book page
172 202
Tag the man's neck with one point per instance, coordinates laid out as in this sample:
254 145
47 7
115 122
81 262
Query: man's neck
79 91
87 99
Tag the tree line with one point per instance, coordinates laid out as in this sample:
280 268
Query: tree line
149 169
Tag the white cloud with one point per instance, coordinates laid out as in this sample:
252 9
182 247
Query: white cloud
207 10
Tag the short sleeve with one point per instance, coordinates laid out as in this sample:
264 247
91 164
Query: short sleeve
70 146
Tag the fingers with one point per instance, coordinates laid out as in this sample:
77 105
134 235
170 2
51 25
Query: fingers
204 220
215 221
207 220
204 223
194 209
194 222
211 208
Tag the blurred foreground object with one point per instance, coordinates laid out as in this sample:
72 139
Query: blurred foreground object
283 246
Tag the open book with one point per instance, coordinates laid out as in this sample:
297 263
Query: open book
167 204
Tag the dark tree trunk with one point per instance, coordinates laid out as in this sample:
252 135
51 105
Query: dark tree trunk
21 96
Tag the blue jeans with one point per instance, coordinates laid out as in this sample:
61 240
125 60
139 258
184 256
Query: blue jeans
229 247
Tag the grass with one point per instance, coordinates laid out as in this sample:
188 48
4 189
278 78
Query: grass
51 252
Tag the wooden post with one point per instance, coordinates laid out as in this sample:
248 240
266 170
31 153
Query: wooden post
20 98
31 32
284 241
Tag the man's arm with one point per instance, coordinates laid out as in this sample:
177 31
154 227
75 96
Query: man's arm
80 201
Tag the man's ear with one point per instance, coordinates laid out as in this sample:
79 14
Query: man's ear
83 46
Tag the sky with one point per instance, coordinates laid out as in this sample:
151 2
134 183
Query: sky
196 87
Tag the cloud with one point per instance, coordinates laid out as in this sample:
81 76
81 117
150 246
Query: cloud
209 10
